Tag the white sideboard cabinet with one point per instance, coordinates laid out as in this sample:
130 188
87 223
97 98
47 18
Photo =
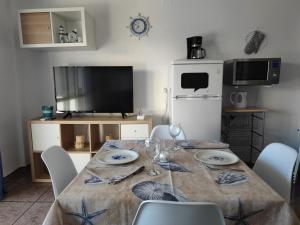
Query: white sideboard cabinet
62 132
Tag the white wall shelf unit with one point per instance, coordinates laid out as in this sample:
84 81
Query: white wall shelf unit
39 28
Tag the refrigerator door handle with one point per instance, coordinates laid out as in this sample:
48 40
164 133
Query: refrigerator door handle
191 97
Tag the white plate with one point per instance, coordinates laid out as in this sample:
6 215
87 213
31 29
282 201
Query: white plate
116 157
216 157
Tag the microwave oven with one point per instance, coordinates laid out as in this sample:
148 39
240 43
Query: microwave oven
260 71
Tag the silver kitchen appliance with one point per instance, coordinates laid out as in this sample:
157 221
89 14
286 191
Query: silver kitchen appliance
238 99
254 71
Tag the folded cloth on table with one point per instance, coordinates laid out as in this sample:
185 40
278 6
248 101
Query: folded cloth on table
229 178
172 166
109 175
115 145
194 144
112 144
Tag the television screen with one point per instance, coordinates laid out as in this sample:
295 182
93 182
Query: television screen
94 89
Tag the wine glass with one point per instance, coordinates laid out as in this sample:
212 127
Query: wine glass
152 150
174 130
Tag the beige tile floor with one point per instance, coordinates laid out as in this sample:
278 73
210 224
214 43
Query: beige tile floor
28 203
25 202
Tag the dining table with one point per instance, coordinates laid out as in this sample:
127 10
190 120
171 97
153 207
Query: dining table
103 194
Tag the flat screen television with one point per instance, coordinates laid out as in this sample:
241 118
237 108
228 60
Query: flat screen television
99 89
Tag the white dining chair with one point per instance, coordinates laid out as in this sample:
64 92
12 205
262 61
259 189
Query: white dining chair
275 165
162 132
178 213
60 166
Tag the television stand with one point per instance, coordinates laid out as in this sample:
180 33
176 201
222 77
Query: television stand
68 114
124 115
95 129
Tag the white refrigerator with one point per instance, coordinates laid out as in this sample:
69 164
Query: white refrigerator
196 97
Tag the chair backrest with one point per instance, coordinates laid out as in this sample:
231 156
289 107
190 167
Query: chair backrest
275 165
178 213
60 166
162 132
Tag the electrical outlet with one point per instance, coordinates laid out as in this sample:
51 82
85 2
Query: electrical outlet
165 90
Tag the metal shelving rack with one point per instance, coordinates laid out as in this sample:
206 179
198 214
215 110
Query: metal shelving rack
243 130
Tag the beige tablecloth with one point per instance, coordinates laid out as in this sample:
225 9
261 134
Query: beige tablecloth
104 204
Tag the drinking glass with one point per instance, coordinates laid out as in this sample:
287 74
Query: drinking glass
152 150
174 130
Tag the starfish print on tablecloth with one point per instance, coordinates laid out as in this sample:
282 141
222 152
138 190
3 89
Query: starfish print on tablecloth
85 216
241 216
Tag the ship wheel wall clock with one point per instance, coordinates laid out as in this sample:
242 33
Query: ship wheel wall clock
139 26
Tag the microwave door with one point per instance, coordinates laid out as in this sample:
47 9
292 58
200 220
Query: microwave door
251 72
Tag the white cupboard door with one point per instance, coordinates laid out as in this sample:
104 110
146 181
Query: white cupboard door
199 118
44 136
134 131
80 160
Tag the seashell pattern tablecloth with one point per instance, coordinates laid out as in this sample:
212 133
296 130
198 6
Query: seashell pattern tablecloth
95 202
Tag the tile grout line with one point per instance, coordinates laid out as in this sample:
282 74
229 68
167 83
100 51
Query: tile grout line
43 194
23 213
18 201
32 203
36 200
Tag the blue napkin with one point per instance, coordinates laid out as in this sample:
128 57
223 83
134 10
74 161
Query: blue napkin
231 178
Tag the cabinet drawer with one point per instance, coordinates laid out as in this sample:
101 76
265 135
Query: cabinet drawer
134 131
257 141
44 136
258 125
255 155
80 160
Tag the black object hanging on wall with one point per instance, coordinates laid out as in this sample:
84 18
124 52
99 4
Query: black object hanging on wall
255 40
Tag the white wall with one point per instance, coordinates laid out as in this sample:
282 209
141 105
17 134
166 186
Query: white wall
224 25
9 98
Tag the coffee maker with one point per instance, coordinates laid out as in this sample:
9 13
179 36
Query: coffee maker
194 50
